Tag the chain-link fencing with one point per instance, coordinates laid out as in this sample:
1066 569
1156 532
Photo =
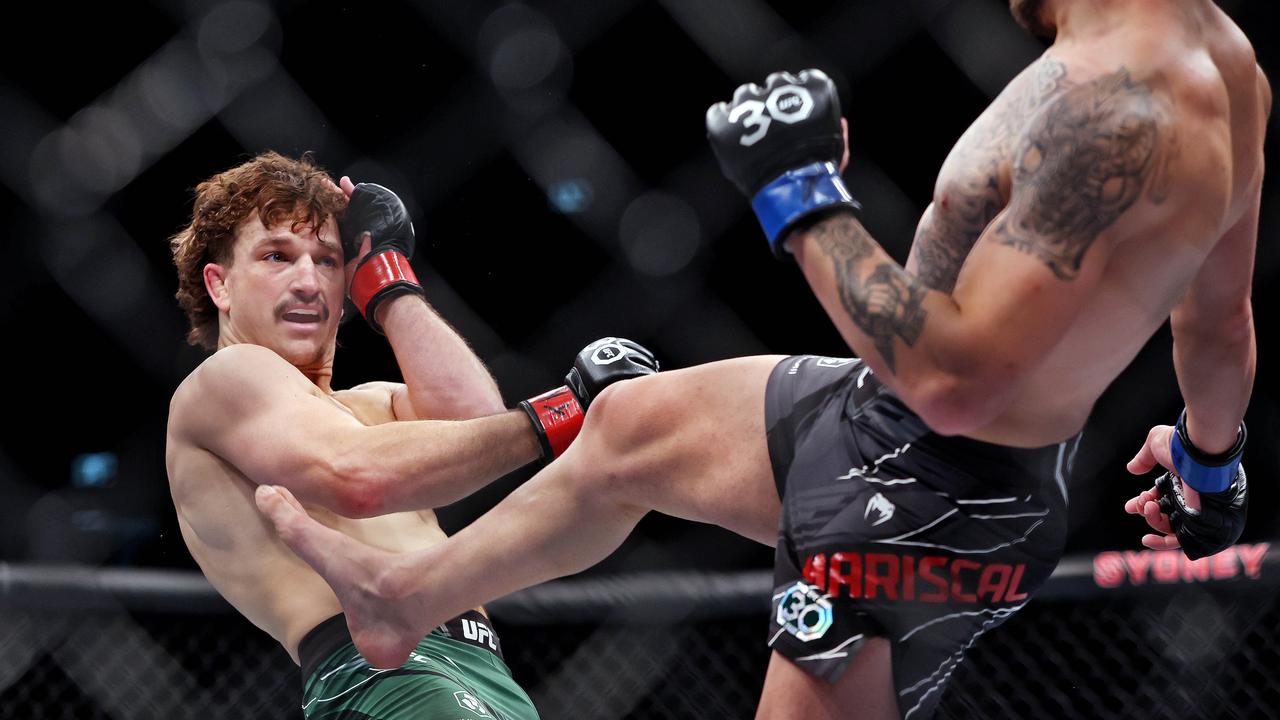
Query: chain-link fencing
1120 635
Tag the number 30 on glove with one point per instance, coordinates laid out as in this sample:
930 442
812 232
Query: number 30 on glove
781 145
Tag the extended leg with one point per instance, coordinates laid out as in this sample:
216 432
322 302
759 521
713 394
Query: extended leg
689 443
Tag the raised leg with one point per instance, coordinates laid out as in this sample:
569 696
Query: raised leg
689 443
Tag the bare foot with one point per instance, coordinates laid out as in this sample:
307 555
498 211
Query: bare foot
385 621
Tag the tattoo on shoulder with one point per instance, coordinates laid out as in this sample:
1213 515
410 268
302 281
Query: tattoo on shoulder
885 303
1091 153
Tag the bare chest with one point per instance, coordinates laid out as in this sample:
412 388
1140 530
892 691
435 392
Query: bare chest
974 183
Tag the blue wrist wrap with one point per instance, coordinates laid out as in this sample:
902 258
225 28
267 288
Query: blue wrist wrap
795 194
1204 473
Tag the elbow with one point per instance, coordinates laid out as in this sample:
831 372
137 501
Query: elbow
1228 325
357 490
955 405
363 500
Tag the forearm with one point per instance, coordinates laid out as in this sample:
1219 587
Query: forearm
913 337
1215 374
444 377
426 464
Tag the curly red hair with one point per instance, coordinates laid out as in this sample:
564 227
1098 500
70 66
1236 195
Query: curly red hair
278 188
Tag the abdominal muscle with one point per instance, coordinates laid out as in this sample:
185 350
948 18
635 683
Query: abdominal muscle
1129 306
252 569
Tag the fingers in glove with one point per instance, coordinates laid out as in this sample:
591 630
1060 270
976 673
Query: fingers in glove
1161 542
1156 519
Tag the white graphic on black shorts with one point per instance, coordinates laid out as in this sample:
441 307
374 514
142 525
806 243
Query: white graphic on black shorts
938 678
836 653
880 507
804 612
866 472
479 634
834 362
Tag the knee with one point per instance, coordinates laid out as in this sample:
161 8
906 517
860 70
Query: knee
622 437
626 416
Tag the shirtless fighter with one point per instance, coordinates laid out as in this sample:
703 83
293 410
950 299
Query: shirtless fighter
261 277
917 495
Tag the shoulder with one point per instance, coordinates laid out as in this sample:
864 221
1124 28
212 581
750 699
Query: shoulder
1108 132
1151 128
227 380
236 359
236 372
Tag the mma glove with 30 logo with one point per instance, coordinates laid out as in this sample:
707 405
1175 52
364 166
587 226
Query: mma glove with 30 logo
781 144
557 415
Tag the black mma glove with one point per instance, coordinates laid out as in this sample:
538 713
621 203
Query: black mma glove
1224 494
782 146
557 415
385 272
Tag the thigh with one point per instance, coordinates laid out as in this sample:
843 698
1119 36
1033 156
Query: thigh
688 443
865 690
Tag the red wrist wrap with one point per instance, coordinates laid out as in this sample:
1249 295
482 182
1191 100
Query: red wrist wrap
378 272
560 415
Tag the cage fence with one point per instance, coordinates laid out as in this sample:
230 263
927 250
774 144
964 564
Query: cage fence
1135 634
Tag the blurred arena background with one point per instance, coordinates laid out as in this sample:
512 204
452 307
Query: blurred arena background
554 159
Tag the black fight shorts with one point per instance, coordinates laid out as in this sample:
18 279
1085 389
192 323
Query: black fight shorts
891 530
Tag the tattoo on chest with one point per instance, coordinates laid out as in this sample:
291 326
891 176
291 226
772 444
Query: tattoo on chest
973 196
884 303
1087 157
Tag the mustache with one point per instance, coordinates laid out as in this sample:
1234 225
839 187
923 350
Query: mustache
286 306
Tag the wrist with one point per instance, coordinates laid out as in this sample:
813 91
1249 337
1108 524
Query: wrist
557 417
1205 472
379 278
385 313
796 195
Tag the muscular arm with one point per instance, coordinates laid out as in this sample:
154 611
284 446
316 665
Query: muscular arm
1087 158
1214 349
443 377
255 411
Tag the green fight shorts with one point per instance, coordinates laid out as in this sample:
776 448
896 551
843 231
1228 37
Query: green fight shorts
456 672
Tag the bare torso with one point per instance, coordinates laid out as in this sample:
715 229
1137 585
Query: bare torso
236 546
1208 71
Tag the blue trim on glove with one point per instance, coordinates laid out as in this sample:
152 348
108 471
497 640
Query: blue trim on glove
795 194
1204 473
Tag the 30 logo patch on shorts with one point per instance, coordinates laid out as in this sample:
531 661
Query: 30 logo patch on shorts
804 612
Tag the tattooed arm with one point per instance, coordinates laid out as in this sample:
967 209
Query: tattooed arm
1086 159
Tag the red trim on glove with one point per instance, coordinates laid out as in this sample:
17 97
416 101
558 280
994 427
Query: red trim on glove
560 415
376 273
